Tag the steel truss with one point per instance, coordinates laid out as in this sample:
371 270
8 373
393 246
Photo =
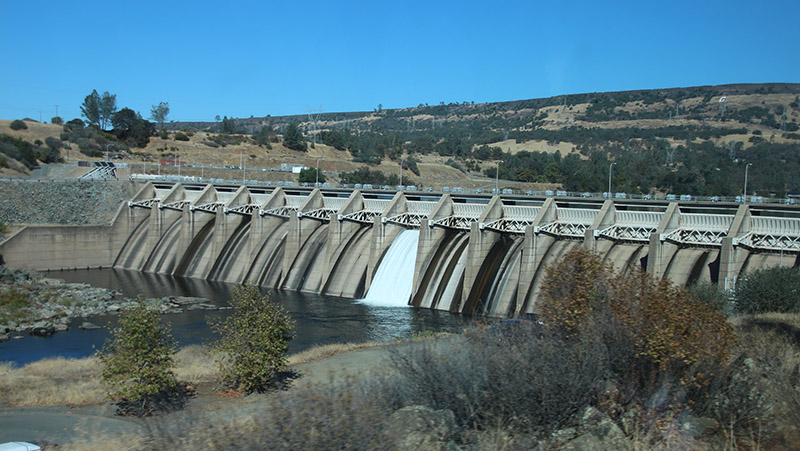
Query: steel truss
147 203
244 210
207 208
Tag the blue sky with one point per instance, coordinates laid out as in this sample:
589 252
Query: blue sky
257 58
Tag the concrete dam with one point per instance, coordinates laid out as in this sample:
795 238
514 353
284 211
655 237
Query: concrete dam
466 253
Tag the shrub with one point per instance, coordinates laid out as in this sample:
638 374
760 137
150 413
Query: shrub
573 288
180 136
18 125
253 341
163 134
521 376
53 143
710 294
769 290
137 362
671 332
13 303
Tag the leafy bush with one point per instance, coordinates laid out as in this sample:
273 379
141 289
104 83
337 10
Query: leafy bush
53 143
18 125
180 136
411 164
309 175
671 332
163 134
137 362
253 341
769 290
710 294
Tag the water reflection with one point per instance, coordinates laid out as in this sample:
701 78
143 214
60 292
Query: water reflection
320 319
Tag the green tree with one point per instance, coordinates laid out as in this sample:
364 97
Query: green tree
108 106
58 120
129 126
137 362
293 139
90 109
309 175
253 341
159 113
264 136
98 109
125 119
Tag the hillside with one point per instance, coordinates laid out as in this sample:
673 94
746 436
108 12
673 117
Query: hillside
684 140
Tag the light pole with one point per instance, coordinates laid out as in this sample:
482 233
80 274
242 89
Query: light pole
497 177
744 197
241 163
107 152
316 182
609 179
400 182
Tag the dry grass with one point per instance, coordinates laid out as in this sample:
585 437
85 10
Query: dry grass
122 442
194 364
60 381
321 352
791 319
51 382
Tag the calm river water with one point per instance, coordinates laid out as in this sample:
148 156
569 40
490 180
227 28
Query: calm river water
319 319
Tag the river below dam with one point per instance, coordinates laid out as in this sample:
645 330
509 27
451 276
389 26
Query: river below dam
319 319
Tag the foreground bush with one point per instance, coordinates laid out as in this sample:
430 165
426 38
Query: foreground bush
137 362
769 290
253 341
671 333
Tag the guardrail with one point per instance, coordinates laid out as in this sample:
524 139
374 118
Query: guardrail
794 200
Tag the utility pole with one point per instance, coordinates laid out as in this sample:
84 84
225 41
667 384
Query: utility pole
744 197
62 121
316 183
400 183
609 179
497 177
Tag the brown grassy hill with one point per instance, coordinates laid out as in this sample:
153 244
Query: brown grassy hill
750 114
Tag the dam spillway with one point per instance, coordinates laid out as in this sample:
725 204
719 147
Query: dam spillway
474 254
394 278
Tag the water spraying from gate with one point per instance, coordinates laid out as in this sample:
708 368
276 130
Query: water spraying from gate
393 281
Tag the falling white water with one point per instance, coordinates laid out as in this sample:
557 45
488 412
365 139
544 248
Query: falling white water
393 281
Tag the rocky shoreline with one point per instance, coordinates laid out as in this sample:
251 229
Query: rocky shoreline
31 303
